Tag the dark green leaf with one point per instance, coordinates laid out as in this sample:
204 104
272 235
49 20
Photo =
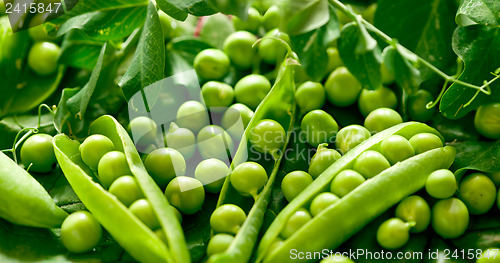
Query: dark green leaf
461 130
238 8
424 27
188 45
108 24
148 64
479 47
194 7
80 51
302 16
397 62
311 47
364 66
484 12
481 156
10 126
216 29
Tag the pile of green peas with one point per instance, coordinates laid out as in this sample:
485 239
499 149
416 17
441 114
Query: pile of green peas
413 213
113 172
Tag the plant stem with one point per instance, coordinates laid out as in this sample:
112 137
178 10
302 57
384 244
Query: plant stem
349 13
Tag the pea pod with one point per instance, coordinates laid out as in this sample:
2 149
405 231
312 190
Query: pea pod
23 200
341 220
280 106
133 235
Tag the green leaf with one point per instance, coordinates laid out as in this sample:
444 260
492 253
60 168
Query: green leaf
311 47
364 66
148 64
481 156
216 29
80 51
194 7
79 102
484 12
106 25
424 27
479 48
238 8
405 71
301 16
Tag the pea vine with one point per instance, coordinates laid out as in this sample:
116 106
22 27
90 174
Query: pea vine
363 25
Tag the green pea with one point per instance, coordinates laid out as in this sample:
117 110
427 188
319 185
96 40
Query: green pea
441 184
345 182
186 194
228 219
295 222
321 160
80 232
495 177
218 244
387 76
322 201
239 48
396 148
417 106
236 119
251 90
42 58
310 96
320 127
381 97
217 95
414 209
212 173
38 152
214 142
370 163
487 120
393 233
450 218
126 189
478 193
249 178
294 183
272 18
211 64
111 166
381 119
342 88
423 142
267 136
335 259
182 140
252 23
334 60
94 148
192 115
271 50
165 164
143 130
144 211
36 29
350 137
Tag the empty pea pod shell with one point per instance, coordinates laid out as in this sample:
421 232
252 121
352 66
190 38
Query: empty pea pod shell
133 235
23 200
344 218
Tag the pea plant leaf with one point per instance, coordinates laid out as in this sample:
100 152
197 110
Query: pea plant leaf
482 156
301 16
479 48
364 66
102 20
148 63
473 12
238 8
403 66
80 51
424 27
194 7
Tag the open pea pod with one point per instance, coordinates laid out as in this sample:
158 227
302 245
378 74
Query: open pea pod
278 105
133 235
23 200
335 224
